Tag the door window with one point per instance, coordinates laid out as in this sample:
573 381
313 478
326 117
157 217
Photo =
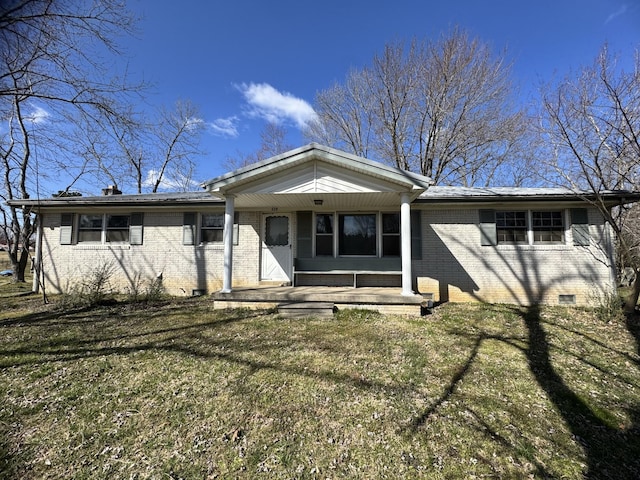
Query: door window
277 231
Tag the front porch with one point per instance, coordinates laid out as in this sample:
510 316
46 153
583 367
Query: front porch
386 300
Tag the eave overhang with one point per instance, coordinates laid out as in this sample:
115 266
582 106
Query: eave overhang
506 195
156 200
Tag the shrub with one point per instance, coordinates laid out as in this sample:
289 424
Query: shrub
609 307
93 290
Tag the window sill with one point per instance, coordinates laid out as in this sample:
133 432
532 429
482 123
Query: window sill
535 246
101 246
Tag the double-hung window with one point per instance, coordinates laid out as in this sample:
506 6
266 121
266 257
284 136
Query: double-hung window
324 235
102 228
511 227
90 228
390 234
206 228
117 228
547 227
522 227
212 228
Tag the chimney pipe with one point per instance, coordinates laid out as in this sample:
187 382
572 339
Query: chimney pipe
111 190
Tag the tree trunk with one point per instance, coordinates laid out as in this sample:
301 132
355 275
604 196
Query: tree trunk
632 300
19 265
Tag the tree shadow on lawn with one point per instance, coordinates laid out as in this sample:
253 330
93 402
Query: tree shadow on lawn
612 452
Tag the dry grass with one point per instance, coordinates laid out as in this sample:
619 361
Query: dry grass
178 390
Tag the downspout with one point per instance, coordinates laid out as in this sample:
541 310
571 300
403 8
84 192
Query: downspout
37 265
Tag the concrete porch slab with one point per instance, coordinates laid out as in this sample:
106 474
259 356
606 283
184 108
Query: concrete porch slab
383 299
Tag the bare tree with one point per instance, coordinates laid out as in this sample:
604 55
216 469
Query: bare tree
443 109
592 124
143 154
272 142
177 135
51 68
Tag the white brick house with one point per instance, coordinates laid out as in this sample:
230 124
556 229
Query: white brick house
320 216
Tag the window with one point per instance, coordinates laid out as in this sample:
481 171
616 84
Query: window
206 228
390 234
99 228
547 227
526 226
117 228
511 227
324 234
357 234
90 228
212 228
277 231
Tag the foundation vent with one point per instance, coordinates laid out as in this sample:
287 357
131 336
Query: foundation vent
567 299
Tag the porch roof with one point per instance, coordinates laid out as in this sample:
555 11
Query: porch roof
316 174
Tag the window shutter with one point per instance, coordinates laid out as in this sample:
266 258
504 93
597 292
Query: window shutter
189 228
304 235
580 226
488 233
416 235
66 229
135 228
236 228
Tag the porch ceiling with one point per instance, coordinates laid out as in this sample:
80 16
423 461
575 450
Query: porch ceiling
307 201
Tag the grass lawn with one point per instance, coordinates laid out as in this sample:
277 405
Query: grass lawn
178 390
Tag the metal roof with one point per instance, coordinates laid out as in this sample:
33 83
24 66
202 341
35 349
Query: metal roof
439 194
156 199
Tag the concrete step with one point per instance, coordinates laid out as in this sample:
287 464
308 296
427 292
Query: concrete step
306 309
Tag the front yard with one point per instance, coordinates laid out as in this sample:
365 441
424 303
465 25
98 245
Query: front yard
178 390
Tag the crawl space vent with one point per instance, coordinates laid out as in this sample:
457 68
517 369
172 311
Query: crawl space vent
567 299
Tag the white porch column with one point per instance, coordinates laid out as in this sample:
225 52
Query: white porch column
405 242
227 239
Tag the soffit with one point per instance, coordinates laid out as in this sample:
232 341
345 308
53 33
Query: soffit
326 201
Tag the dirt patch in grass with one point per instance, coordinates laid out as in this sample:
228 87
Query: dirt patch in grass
180 390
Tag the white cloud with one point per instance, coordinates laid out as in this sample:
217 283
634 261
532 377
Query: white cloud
621 11
274 106
194 122
225 127
175 182
37 115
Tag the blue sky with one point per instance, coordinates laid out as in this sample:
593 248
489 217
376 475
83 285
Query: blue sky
243 62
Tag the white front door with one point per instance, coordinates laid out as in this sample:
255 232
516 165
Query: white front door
276 248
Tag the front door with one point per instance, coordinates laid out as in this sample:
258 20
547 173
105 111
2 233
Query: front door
276 248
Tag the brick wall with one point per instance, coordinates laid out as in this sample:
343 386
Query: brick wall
455 267
183 268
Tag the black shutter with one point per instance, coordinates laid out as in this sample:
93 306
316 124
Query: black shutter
66 229
580 226
189 228
304 235
135 228
416 235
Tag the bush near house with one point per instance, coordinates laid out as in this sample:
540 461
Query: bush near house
177 390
